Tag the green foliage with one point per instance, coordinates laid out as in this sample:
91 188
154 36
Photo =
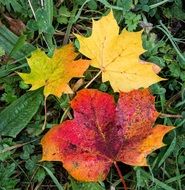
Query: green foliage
175 11
126 5
9 95
143 5
7 176
5 144
40 23
63 15
83 186
132 20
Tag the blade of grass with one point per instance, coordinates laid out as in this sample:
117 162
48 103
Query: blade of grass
178 174
176 178
170 37
55 180
168 151
48 6
4 70
18 45
156 181
72 20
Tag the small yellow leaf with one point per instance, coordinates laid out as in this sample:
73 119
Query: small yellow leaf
54 73
117 55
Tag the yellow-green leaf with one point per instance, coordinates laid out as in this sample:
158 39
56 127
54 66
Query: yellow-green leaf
54 73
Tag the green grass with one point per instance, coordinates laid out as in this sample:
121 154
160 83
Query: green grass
49 24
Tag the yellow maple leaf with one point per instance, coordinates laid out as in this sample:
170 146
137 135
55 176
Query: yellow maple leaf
54 73
117 55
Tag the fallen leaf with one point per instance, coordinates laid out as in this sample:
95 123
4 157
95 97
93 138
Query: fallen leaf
102 133
16 25
117 55
77 85
54 73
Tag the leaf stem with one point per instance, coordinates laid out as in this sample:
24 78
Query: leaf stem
45 114
158 4
88 84
70 24
15 146
121 176
33 12
162 115
66 113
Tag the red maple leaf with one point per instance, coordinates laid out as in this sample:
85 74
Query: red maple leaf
103 133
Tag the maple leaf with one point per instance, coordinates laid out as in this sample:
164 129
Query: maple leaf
103 133
117 55
54 73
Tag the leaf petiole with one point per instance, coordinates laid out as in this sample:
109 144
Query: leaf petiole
45 114
121 176
89 83
163 115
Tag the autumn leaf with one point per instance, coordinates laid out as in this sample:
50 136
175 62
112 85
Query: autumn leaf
117 55
103 133
16 25
54 73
